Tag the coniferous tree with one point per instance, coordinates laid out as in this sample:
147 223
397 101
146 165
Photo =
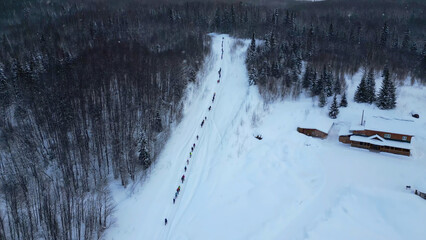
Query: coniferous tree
322 99
387 95
251 51
384 35
334 110
337 88
144 157
371 87
361 91
344 101
406 41
307 80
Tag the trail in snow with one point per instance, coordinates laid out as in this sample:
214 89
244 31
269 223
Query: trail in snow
143 216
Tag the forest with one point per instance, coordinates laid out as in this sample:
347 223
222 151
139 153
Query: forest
89 90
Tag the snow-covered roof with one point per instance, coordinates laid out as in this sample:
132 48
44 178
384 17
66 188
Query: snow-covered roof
382 124
320 123
377 140
344 131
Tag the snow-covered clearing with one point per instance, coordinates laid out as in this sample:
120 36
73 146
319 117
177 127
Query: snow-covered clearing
285 186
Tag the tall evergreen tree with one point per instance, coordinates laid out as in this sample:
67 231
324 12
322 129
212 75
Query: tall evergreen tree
387 95
344 101
361 91
307 80
337 88
322 99
384 35
251 51
406 40
334 110
371 87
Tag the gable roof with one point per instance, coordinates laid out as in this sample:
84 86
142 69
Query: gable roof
383 124
379 141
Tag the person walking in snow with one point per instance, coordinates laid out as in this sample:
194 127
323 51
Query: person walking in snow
176 194
210 108
197 137
185 168
165 221
190 154
193 145
192 149
218 81
182 178
187 161
174 199
178 189
220 70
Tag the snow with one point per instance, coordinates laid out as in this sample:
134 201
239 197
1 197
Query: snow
344 130
379 141
285 186
318 122
384 124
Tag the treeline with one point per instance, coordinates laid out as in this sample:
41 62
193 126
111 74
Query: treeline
87 92
334 38
89 89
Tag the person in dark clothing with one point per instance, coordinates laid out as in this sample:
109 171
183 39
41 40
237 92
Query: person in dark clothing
182 178
197 137
174 199
187 161
210 108
192 149
205 118
178 189
185 168
165 221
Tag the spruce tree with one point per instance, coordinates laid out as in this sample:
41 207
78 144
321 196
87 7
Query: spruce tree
371 87
361 91
384 35
251 52
337 86
344 102
322 99
387 96
406 40
334 110
307 81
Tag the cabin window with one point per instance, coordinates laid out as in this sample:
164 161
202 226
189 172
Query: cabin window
387 135
404 138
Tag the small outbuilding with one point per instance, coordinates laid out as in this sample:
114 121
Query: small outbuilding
316 128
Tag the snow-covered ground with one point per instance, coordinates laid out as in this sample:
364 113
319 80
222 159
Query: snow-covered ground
285 186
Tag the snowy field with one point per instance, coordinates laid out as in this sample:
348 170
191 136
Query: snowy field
285 186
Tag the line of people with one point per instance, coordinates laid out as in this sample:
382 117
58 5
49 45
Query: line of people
193 145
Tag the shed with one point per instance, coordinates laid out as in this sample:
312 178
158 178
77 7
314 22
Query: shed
316 127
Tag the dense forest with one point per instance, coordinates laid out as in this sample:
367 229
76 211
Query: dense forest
90 89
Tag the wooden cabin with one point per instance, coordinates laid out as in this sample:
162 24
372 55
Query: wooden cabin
381 134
